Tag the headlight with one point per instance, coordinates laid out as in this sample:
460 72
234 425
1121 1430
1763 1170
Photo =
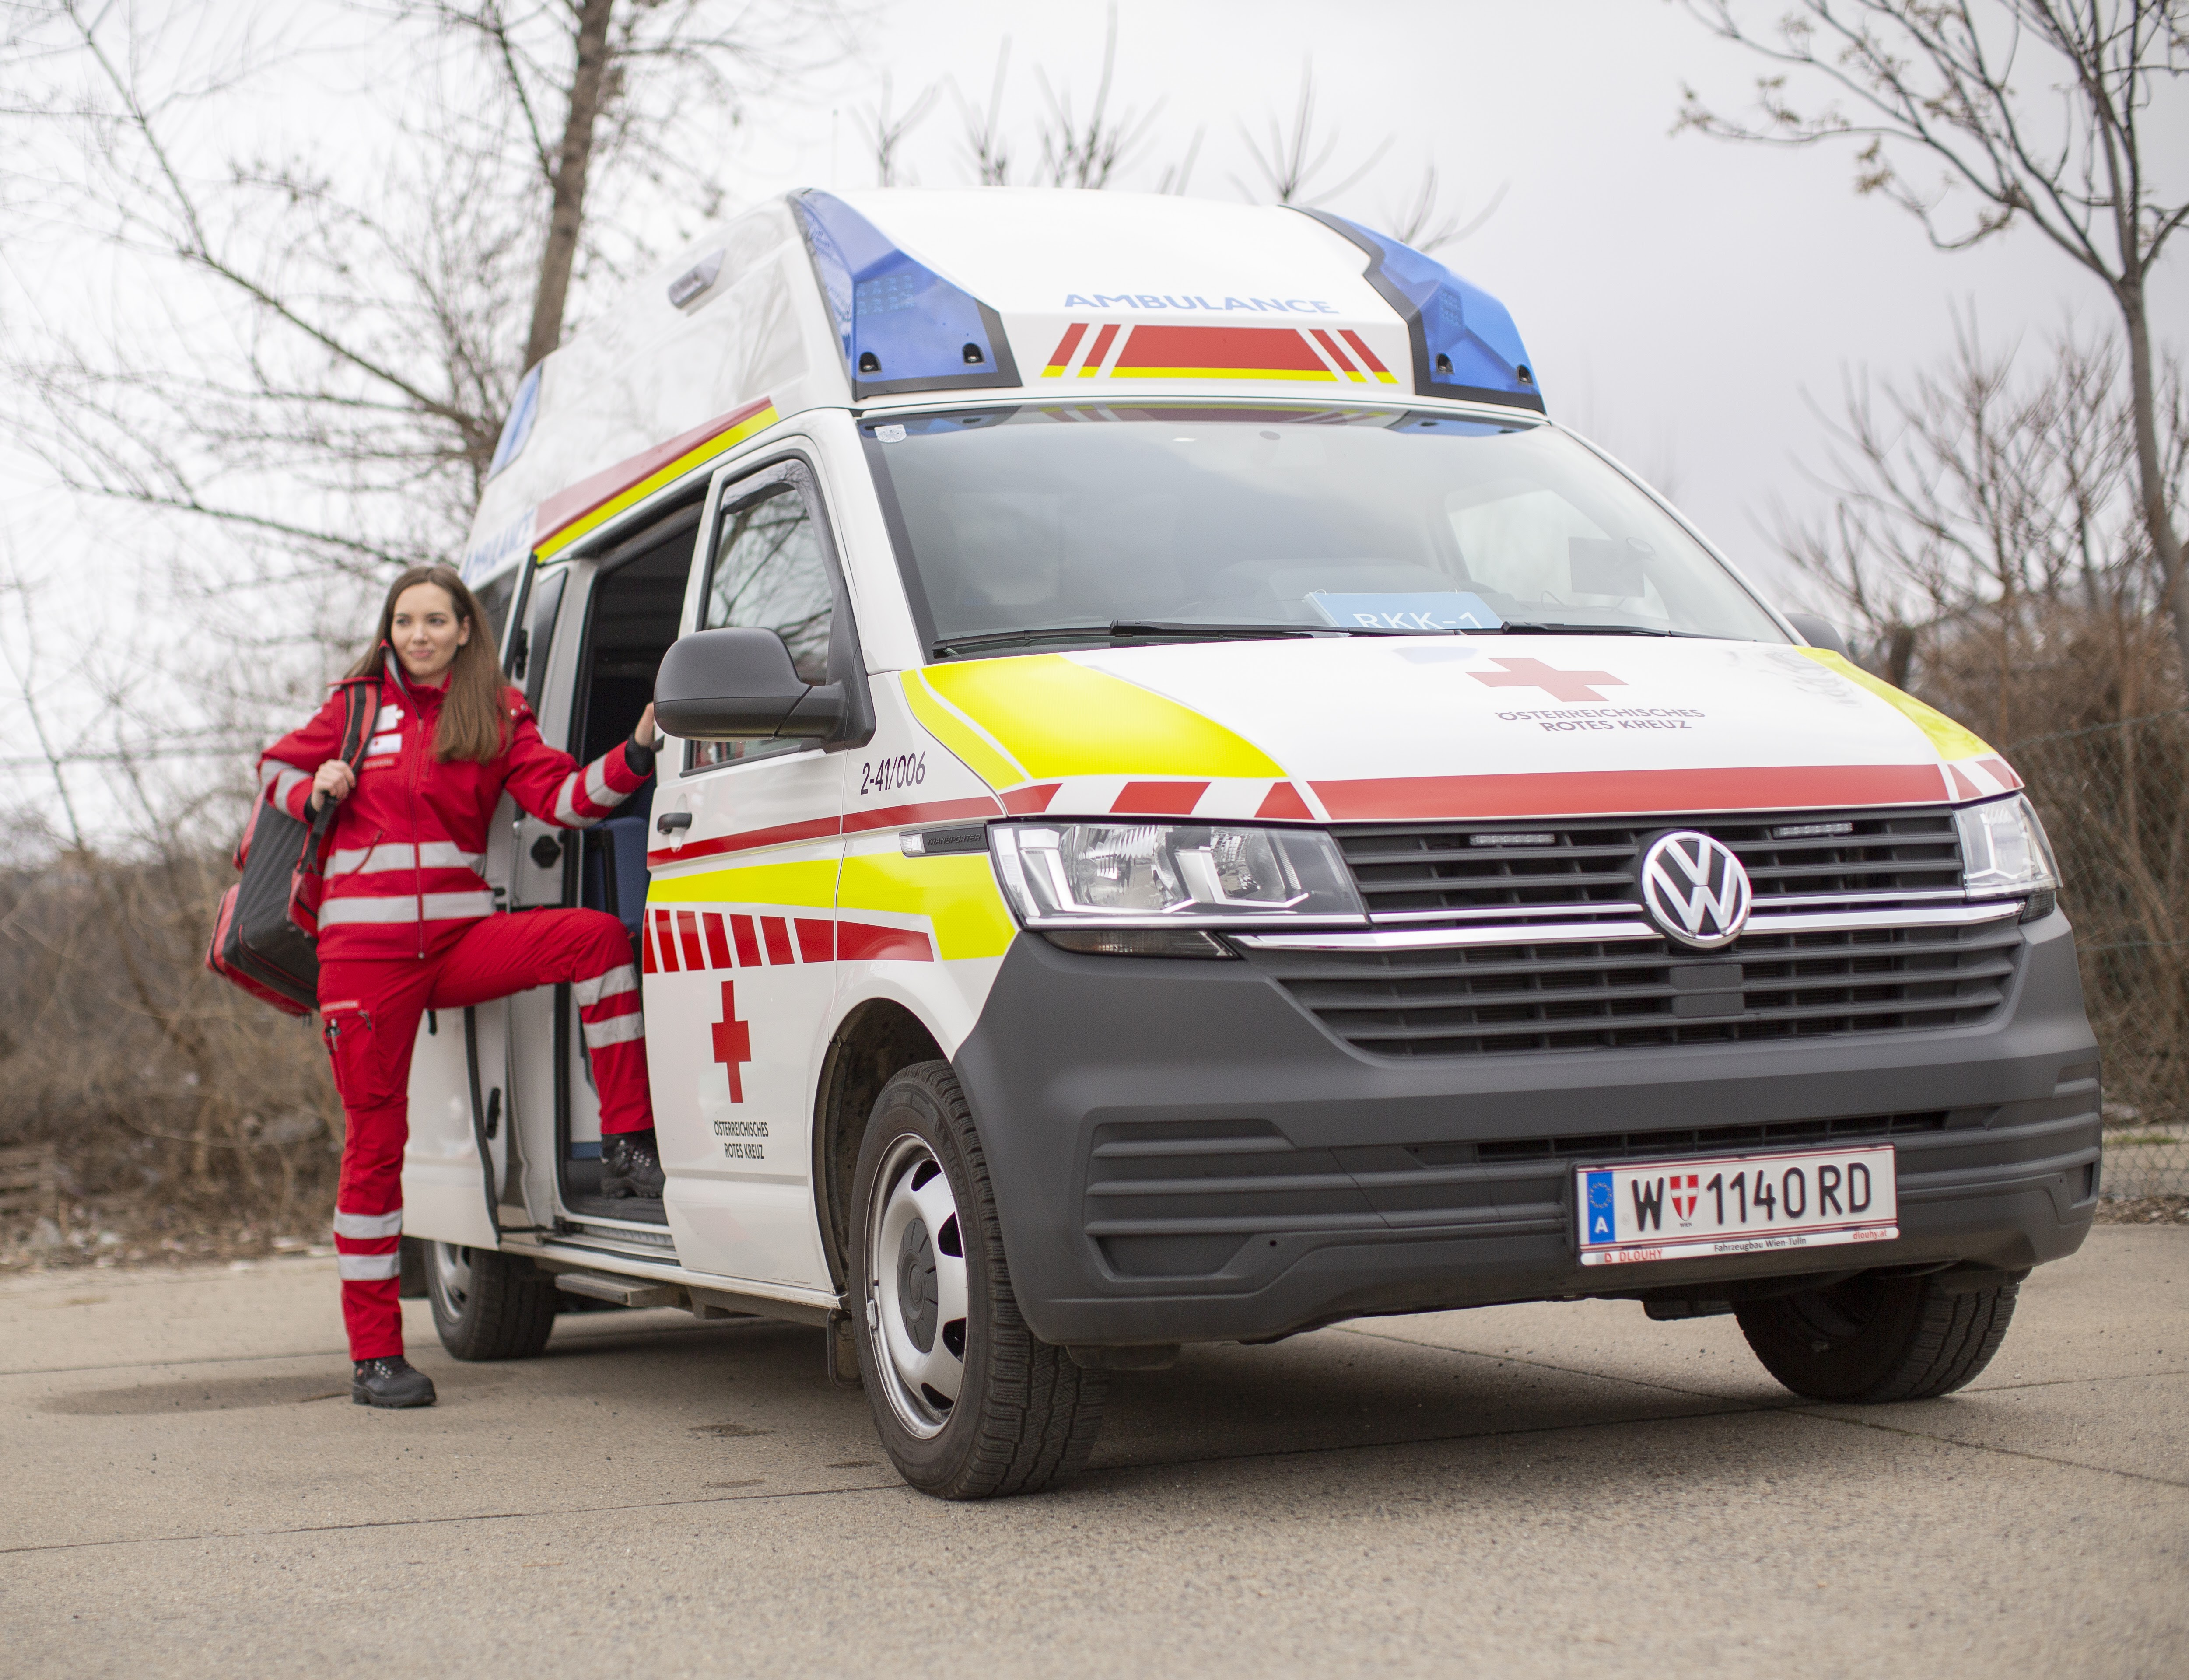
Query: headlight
2004 851
1150 875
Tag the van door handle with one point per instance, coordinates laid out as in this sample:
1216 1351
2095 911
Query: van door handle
673 821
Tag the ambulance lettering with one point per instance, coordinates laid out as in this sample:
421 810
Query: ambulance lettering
1145 300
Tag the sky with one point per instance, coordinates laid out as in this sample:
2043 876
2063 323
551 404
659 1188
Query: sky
1694 306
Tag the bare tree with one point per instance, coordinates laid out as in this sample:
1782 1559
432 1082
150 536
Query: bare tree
1296 154
367 319
887 133
1954 83
1422 222
1074 153
1988 538
1979 500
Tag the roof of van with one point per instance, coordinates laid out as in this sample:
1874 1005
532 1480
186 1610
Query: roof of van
822 299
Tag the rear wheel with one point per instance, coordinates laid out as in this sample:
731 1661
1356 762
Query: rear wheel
970 1404
489 1305
1871 1340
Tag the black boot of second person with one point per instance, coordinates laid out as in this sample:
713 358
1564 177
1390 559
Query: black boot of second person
631 1165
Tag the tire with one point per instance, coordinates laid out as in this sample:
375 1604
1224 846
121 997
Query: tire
412 1286
1872 1340
488 1305
969 1402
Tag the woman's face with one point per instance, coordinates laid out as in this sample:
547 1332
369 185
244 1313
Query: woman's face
427 632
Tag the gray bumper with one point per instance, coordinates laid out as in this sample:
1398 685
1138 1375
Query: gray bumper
1181 1154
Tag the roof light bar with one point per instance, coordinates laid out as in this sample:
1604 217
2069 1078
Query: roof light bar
1465 343
901 325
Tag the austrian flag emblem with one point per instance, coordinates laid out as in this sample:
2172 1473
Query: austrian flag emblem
1684 1196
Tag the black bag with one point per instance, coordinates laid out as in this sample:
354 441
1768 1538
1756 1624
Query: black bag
258 942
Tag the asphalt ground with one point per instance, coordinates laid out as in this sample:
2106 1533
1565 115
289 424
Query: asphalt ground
1562 1489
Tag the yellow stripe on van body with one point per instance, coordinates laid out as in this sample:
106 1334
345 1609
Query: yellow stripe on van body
959 896
956 732
720 444
1059 718
1952 740
810 884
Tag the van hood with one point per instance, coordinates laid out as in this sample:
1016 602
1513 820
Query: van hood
1446 727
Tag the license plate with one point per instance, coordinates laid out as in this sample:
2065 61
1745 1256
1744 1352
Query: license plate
1740 1204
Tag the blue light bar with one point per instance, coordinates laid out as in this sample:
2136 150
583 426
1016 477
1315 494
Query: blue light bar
1465 343
517 430
900 325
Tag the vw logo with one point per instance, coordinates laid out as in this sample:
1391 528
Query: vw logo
1695 889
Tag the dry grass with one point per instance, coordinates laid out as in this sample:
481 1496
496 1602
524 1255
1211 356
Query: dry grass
178 1106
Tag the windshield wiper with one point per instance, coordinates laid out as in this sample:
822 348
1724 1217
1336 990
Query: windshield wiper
1529 627
1130 630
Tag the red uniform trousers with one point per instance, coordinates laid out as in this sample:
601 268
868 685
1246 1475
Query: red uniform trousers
370 1009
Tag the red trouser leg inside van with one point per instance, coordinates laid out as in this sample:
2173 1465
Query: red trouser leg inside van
370 1011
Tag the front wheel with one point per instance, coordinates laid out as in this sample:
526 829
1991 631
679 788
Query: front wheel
489 1305
1872 1339
969 1402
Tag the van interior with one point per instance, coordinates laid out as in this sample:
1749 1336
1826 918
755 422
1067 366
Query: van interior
632 610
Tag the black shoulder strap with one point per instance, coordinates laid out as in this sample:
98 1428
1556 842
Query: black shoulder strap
363 700
364 705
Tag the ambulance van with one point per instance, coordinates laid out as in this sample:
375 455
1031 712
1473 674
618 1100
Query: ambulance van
1193 811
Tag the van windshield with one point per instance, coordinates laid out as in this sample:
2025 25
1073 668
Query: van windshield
1058 525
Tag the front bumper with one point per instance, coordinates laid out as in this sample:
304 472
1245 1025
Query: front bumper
1181 1153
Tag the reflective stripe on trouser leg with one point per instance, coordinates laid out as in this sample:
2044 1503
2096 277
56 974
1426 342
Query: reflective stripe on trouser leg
368 1229
368 1224
614 1026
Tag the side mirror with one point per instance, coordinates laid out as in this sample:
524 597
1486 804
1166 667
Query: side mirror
739 685
1820 632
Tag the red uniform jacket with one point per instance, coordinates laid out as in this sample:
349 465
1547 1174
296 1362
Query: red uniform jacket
407 846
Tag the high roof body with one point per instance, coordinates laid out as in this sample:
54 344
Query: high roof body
884 297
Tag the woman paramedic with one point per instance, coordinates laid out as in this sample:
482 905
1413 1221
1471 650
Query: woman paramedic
407 923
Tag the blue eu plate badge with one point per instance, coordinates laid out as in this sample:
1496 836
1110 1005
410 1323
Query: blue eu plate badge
1597 1205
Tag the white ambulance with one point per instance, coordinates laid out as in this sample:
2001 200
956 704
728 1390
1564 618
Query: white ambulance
1194 811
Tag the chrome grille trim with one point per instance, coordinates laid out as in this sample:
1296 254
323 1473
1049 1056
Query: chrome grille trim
1557 933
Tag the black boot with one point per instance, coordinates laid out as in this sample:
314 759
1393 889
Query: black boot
391 1382
630 1165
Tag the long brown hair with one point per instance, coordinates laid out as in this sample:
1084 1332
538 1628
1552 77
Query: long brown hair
474 722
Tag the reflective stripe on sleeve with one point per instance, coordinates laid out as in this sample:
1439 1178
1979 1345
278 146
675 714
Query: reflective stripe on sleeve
614 983
367 1268
586 794
566 802
616 1030
369 1224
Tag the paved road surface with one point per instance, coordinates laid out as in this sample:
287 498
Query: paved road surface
185 1489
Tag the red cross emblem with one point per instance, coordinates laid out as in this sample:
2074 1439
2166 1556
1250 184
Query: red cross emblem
1559 685
732 1040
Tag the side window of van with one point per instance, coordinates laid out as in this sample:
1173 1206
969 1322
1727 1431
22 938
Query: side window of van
767 572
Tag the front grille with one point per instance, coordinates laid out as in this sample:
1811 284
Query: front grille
1592 860
1614 994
